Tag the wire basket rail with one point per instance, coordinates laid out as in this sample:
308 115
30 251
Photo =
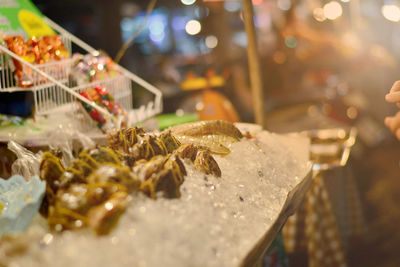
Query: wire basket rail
53 89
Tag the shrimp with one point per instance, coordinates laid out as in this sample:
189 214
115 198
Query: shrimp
207 128
203 141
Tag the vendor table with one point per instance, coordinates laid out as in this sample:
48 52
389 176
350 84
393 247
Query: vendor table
313 229
236 222
293 202
331 213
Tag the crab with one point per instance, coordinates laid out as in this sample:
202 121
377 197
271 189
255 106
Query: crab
56 175
75 195
132 144
94 190
122 140
201 158
98 205
115 174
161 174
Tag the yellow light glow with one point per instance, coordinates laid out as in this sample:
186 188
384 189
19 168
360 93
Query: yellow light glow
193 27
211 41
351 40
332 10
391 12
318 14
188 2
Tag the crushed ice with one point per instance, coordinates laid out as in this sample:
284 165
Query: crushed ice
215 222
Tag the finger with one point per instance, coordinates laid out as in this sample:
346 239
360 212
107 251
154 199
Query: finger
393 97
395 123
398 134
395 86
398 104
388 121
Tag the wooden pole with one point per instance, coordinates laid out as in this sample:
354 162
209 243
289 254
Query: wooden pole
254 63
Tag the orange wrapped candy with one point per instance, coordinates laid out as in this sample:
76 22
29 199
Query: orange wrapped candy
36 50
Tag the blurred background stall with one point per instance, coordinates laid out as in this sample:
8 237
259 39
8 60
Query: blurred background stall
324 64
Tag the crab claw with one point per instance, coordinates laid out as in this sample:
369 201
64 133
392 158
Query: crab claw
206 163
103 218
51 170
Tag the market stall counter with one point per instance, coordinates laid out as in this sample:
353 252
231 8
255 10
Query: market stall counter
215 221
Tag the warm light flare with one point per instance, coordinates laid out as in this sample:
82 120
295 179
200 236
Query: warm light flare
391 12
211 41
188 2
193 27
332 10
318 14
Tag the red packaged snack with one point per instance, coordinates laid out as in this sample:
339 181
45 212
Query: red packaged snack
102 97
108 101
92 95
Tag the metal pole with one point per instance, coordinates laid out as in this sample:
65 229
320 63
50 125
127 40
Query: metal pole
254 63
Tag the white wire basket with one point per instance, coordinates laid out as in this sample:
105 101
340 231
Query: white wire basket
53 91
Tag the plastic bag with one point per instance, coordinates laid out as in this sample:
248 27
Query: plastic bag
92 67
60 140
27 163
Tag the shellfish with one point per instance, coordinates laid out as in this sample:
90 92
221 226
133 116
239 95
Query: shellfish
215 135
93 191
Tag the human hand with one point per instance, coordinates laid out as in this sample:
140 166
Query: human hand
394 95
393 123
